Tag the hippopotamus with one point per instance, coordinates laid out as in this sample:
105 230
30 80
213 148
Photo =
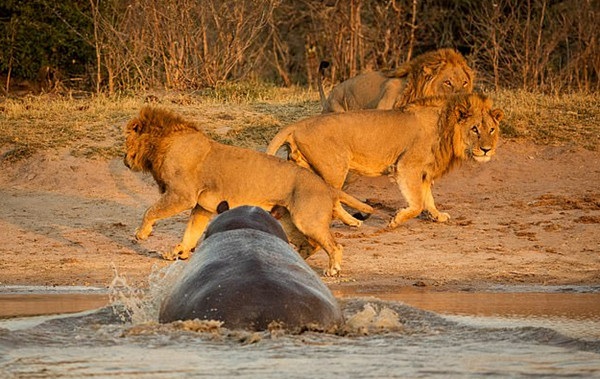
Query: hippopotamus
245 274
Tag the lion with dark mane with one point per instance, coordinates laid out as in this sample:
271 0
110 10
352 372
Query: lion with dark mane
194 172
413 145
438 72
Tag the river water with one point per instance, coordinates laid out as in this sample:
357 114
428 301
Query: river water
388 333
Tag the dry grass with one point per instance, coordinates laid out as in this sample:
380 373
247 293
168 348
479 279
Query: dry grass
250 116
551 120
87 127
93 127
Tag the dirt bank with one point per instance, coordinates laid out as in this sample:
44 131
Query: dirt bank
531 216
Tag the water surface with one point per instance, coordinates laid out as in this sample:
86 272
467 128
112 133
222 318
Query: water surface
403 333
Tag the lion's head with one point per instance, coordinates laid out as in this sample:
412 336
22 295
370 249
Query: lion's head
476 126
438 72
468 127
146 137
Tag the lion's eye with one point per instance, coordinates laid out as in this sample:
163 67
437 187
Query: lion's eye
475 130
492 130
448 83
465 83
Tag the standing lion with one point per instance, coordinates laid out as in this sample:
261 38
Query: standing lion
438 72
414 145
197 173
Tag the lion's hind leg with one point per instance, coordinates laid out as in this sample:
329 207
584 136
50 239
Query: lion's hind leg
333 169
315 225
305 246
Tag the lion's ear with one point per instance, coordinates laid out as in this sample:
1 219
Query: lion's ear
222 207
497 114
469 73
135 125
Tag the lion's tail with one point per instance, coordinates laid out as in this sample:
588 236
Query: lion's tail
354 202
280 139
322 66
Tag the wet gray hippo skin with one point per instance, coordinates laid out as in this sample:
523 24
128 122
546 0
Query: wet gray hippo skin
245 274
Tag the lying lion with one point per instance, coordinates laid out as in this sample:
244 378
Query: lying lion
438 72
194 172
414 145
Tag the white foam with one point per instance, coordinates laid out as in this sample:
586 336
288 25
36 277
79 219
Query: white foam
141 306
20 323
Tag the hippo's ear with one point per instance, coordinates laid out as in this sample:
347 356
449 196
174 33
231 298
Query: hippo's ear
222 207
278 211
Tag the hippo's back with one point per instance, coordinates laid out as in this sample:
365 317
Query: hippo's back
248 278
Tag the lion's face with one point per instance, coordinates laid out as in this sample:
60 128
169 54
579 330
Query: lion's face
479 131
451 79
134 146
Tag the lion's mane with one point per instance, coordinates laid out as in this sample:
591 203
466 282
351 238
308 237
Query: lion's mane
420 71
147 139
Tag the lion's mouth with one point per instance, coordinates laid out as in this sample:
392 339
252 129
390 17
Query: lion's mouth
481 158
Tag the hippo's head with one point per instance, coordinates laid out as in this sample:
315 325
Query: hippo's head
244 217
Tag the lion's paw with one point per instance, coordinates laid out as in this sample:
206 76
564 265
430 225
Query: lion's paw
142 233
393 223
356 224
168 256
179 252
332 272
443 217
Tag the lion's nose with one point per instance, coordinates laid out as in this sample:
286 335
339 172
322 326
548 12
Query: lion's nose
485 150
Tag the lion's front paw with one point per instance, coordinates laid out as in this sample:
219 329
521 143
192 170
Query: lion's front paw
179 252
332 271
443 217
393 223
143 233
400 217
169 256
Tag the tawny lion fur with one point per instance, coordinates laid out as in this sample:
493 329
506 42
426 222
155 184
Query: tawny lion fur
438 72
413 145
194 172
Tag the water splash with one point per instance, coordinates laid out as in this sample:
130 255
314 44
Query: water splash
138 305
373 319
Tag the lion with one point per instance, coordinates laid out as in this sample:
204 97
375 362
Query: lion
197 173
414 145
438 72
